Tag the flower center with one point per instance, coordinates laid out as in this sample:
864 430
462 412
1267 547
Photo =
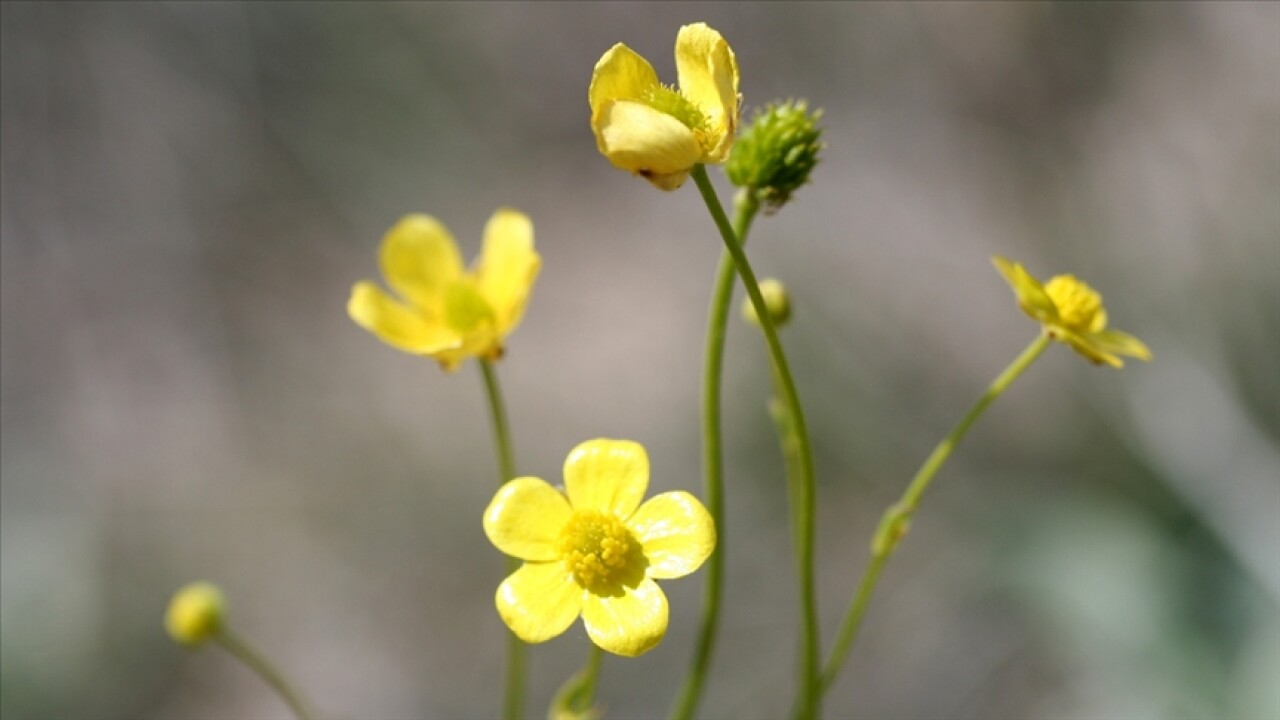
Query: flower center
668 100
1078 304
601 553
465 309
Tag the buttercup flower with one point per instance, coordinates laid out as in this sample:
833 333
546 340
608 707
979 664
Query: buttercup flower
195 614
660 132
1070 311
593 550
445 311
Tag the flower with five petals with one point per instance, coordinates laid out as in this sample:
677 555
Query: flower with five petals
594 550
445 311
660 132
1071 312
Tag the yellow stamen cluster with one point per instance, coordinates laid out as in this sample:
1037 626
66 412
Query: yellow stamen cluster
670 101
1078 304
600 552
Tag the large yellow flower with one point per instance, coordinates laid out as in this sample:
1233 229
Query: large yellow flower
660 132
1070 311
447 312
593 550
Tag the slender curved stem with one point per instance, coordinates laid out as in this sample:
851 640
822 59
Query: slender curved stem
256 661
591 672
513 692
712 460
807 696
896 520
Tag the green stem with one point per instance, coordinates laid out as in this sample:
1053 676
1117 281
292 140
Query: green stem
896 520
808 695
265 670
590 673
712 460
513 693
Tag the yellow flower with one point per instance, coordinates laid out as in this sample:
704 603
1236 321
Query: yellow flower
1070 311
660 132
593 550
445 311
196 613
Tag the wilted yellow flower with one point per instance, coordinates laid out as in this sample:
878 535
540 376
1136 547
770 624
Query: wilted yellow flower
445 311
1070 311
593 550
196 613
660 132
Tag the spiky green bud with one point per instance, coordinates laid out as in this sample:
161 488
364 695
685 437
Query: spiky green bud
773 156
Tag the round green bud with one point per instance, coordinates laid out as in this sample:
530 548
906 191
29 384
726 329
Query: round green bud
196 613
776 300
774 155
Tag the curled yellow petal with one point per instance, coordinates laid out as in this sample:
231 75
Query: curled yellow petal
419 259
1032 298
525 518
607 475
630 624
675 532
539 601
621 74
708 74
508 266
396 324
642 140
1122 343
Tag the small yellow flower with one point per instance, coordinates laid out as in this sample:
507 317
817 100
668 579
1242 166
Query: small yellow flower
660 132
196 613
445 311
593 550
1070 311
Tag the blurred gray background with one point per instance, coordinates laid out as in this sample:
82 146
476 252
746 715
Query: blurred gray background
190 190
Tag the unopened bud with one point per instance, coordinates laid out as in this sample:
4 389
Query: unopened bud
776 300
196 613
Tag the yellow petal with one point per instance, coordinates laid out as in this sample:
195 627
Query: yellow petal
397 325
630 624
508 266
708 73
1122 343
1032 298
419 260
525 518
637 138
539 601
607 475
621 74
675 532
1085 346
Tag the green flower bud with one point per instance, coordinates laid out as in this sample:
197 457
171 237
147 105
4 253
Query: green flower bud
196 613
774 155
776 300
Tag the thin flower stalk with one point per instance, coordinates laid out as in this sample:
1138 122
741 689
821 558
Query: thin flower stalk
686 705
897 518
257 662
808 693
513 687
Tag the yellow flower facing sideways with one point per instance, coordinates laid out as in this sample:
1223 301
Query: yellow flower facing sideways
444 310
593 550
1071 312
661 132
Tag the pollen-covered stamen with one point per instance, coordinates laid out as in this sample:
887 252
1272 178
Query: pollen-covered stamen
669 101
1078 304
601 552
